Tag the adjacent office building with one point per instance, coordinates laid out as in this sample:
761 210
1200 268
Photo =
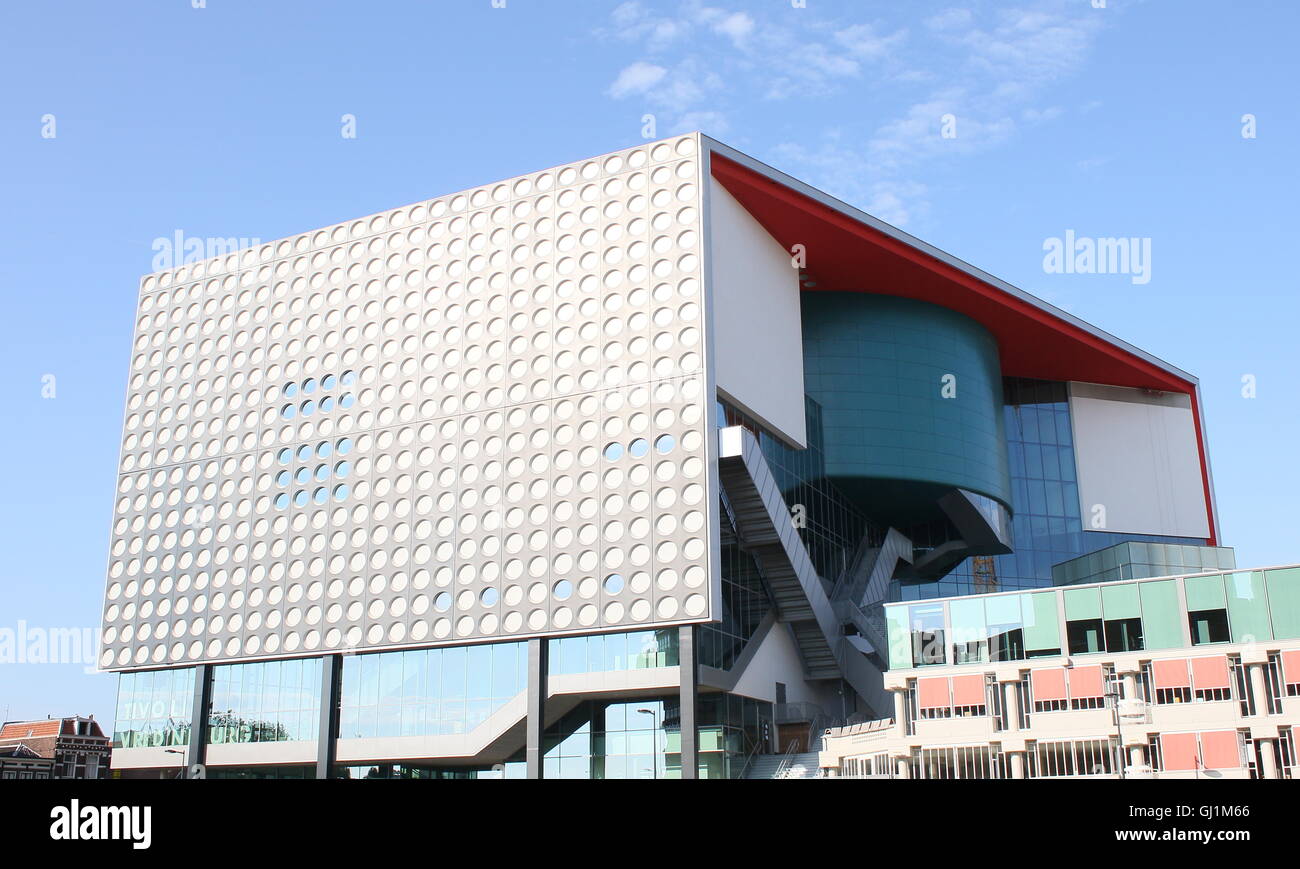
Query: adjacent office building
608 470
1176 677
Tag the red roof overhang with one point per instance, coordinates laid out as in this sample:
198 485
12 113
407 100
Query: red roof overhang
845 254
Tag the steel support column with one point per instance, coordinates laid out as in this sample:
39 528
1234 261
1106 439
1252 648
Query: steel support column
196 753
688 660
537 689
327 731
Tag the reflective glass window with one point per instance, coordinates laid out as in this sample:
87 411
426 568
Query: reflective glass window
429 691
1248 612
925 623
1161 625
265 701
154 708
1284 602
1042 624
970 635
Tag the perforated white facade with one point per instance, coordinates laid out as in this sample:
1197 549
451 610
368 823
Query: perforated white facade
482 416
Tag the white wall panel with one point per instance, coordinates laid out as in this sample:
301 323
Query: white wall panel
757 331
1138 458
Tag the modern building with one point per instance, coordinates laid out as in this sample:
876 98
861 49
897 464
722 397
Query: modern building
606 470
1176 677
76 747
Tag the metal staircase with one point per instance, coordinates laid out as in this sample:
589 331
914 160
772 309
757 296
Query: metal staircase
868 580
897 549
764 525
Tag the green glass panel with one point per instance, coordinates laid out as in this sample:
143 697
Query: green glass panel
1120 601
1042 621
1248 607
1204 593
900 642
1162 622
1082 603
1284 602
711 739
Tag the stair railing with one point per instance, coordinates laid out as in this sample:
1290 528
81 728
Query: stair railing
749 758
844 583
786 759
817 729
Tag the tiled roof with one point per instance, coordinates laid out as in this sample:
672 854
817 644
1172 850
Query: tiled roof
28 729
45 746
45 727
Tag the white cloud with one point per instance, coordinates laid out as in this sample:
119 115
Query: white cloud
737 25
784 56
950 19
1039 116
636 79
1003 70
631 22
810 69
1033 45
897 203
847 173
878 96
713 123
862 41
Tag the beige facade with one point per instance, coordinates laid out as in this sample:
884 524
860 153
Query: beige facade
1221 703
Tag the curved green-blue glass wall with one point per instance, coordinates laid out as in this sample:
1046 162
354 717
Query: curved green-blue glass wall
911 397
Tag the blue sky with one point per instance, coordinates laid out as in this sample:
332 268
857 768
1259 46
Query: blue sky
225 121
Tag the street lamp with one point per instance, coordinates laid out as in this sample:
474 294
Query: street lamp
654 725
1112 699
180 773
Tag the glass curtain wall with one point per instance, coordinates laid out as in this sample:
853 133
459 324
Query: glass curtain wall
154 708
600 653
429 692
265 701
745 601
642 738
